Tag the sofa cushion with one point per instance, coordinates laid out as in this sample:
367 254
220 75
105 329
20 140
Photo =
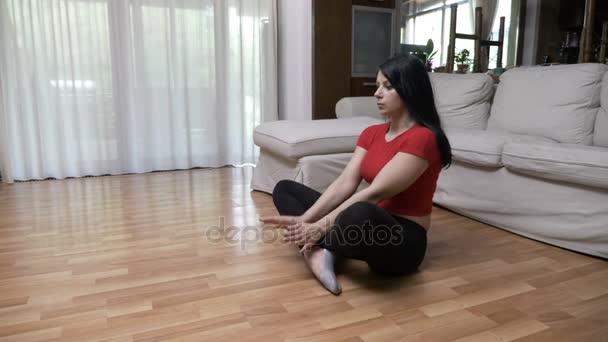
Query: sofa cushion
600 133
294 139
483 148
586 165
558 102
463 100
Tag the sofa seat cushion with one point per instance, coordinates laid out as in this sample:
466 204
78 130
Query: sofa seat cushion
295 139
558 102
483 148
572 163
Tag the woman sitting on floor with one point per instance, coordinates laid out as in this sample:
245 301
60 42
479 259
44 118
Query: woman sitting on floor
386 223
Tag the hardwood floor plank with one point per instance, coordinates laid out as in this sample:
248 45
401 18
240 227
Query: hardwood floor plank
5 303
181 330
34 336
457 329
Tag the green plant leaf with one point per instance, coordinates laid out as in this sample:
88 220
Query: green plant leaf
429 46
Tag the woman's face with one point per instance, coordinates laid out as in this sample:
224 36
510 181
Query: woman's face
387 99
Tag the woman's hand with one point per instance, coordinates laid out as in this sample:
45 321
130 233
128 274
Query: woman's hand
304 234
282 221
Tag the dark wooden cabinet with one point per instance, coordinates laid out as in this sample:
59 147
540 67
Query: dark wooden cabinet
362 86
375 3
332 39
560 38
331 55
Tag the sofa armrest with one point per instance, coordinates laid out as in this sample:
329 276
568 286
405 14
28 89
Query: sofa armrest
293 139
349 107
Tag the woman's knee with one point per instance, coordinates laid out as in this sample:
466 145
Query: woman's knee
282 187
354 223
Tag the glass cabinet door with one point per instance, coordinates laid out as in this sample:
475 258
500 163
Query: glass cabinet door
372 39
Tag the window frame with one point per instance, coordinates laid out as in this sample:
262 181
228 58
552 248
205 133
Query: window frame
443 7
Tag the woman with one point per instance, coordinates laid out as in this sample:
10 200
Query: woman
386 223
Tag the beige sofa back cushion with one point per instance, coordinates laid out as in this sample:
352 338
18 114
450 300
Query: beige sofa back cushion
463 100
557 102
600 134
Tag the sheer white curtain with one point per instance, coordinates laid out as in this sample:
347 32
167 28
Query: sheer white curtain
512 32
93 87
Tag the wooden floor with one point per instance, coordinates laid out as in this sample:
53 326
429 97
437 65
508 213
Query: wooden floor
143 258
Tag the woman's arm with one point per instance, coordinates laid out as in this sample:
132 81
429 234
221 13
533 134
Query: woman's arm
396 176
339 190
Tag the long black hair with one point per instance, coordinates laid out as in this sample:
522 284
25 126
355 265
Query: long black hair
408 75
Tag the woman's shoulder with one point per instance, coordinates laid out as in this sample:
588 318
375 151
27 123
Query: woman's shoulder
376 128
369 134
420 134
420 131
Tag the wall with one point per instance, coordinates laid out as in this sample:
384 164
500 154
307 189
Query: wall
295 59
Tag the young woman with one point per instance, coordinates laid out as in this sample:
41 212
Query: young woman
386 223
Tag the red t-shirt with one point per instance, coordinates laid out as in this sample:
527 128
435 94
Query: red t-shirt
417 199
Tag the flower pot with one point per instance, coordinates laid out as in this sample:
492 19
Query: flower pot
462 68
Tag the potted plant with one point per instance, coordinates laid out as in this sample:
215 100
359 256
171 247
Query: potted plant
430 54
426 54
429 60
462 61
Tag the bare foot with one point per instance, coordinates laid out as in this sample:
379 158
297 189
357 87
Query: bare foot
321 263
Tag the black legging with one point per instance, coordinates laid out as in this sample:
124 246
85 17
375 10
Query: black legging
390 244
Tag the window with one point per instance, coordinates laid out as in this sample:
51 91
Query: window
507 9
95 87
430 19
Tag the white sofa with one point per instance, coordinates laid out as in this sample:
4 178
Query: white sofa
529 156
